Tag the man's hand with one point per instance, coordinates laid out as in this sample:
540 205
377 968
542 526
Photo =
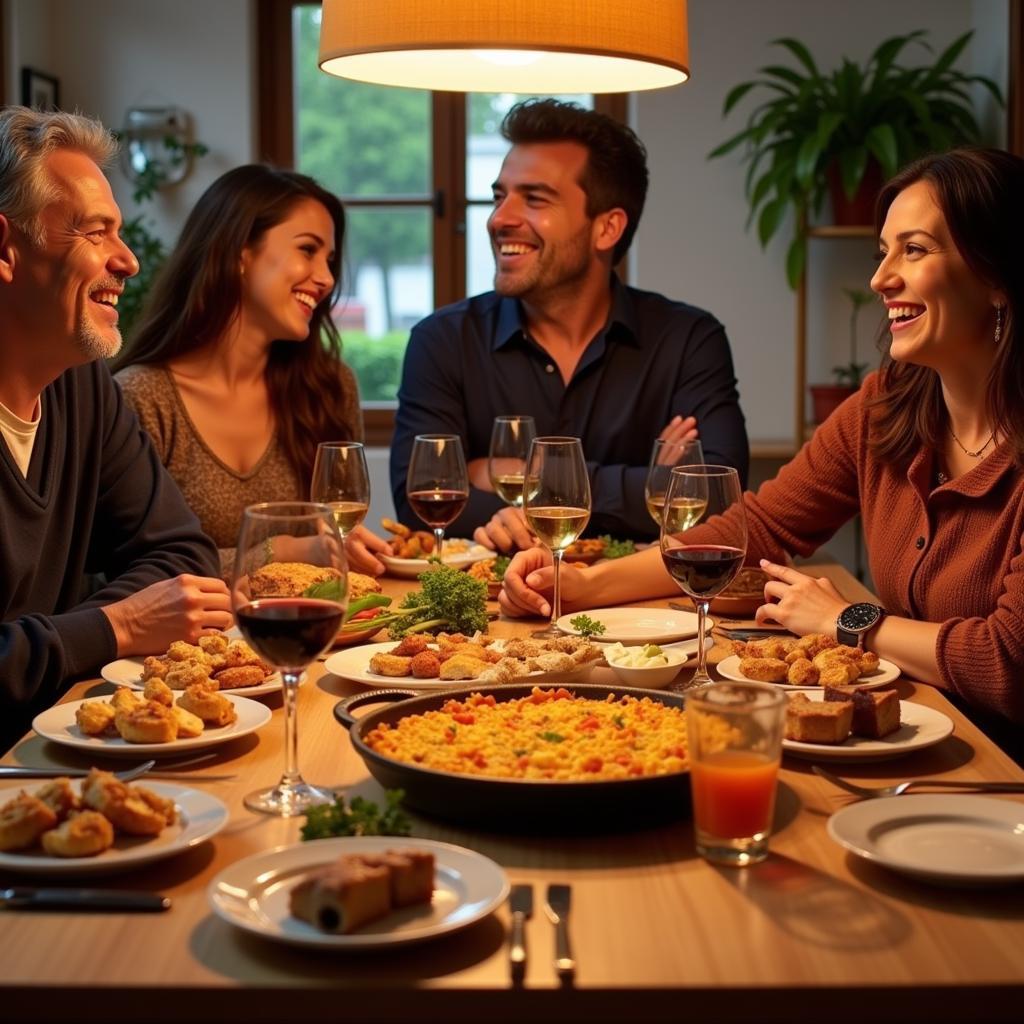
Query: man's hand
183 608
361 547
803 604
530 579
676 432
506 531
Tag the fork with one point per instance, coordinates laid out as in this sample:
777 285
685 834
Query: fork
902 787
8 771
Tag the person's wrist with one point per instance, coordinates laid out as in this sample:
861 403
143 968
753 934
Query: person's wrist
119 626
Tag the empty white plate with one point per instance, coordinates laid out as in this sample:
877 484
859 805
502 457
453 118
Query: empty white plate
639 625
950 839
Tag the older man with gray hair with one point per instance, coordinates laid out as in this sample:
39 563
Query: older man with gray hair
81 490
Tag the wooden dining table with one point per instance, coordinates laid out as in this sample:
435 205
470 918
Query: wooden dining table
659 934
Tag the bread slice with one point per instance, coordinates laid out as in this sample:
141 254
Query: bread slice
412 875
876 713
343 896
815 721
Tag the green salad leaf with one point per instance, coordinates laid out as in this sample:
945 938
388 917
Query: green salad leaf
360 818
617 548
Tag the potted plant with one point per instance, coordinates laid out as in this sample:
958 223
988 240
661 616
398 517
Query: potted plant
854 125
827 397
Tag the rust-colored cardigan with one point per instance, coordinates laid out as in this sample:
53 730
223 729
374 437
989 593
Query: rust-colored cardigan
949 554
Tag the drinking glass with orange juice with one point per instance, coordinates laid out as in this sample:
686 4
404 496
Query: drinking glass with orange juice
735 739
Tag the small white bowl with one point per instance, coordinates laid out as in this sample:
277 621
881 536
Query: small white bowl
652 677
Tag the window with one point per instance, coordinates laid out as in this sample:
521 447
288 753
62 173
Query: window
414 170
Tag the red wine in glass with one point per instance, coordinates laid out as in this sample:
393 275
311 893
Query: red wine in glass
703 570
289 631
438 508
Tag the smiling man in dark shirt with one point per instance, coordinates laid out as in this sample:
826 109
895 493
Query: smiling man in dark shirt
562 340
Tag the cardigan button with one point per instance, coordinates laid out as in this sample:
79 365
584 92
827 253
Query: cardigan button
550 368
919 543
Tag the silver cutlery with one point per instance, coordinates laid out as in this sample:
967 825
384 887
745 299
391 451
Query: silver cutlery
521 902
557 908
25 897
902 787
10 771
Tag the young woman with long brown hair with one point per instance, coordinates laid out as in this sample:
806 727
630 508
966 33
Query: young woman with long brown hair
235 369
930 452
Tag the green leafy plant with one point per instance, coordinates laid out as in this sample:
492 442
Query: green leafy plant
586 626
853 372
812 121
140 235
617 548
361 817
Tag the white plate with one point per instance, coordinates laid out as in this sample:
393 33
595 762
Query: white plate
886 673
639 625
354 664
951 839
253 893
58 724
920 727
410 568
199 817
128 672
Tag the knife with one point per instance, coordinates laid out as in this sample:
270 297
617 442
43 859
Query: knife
28 898
521 902
559 899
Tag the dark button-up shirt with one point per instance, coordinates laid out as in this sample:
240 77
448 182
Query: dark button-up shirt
653 359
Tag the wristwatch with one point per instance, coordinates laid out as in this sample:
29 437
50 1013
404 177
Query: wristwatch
856 621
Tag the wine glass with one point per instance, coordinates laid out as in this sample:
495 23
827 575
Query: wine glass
437 484
557 505
665 456
705 564
289 616
341 481
511 437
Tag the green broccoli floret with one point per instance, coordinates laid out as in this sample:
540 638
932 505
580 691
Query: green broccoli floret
448 599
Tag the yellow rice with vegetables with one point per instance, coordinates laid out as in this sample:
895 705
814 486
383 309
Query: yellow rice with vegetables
549 735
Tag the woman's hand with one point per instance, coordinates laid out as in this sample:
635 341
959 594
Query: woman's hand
362 546
529 581
803 604
505 531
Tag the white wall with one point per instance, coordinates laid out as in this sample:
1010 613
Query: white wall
692 243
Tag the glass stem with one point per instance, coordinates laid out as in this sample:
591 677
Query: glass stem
556 603
438 540
701 676
290 688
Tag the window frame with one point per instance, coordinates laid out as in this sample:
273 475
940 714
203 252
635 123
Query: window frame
276 145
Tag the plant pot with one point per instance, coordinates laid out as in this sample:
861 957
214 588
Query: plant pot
861 208
826 398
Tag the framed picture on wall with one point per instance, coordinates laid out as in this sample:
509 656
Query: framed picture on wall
39 90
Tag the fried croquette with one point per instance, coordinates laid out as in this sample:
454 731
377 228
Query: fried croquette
95 718
764 670
181 650
128 810
155 668
212 707
189 725
462 666
815 643
158 690
185 674
239 677
802 672
59 796
124 699
425 665
85 834
289 579
239 654
868 662
23 820
411 645
163 806
390 665
398 529
838 673
149 722
213 644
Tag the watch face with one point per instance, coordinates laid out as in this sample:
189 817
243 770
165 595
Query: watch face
859 616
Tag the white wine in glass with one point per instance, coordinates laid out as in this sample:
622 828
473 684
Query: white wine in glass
437 484
665 456
511 437
342 482
557 505
288 626
705 564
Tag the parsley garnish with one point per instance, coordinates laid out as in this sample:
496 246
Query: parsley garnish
551 737
361 818
586 626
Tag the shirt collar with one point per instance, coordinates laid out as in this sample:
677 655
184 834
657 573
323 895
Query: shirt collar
621 322
975 483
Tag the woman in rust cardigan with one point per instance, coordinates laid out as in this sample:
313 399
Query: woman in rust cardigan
930 452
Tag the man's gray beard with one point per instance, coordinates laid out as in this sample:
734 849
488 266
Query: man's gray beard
94 345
